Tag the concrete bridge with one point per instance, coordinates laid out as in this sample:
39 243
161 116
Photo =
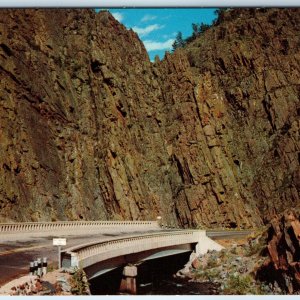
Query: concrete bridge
100 257
101 246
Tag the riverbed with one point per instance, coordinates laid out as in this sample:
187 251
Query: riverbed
155 277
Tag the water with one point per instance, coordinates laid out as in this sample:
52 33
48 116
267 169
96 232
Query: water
155 277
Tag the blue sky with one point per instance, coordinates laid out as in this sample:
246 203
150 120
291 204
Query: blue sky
157 27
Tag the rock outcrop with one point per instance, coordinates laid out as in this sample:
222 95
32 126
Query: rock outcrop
91 129
267 262
282 268
59 282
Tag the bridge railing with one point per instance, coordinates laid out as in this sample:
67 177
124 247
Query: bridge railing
86 255
31 227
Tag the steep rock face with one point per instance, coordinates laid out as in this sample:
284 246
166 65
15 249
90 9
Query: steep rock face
90 129
206 190
64 107
250 61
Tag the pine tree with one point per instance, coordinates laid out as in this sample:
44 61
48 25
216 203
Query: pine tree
220 12
179 41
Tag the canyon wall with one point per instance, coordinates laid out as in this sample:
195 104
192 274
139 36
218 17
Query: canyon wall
91 129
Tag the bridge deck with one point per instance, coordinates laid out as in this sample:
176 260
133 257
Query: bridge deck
86 255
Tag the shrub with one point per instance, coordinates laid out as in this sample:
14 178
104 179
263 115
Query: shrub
212 263
210 275
79 283
254 249
239 285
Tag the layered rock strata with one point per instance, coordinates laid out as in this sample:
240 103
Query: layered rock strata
91 129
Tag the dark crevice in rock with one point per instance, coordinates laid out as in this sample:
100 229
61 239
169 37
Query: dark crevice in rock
6 167
295 244
179 168
232 225
237 162
113 153
267 108
12 76
276 153
222 64
95 66
17 170
122 110
6 49
285 128
189 176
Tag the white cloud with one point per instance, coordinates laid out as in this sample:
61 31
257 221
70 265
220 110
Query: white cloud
166 36
146 30
118 16
153 45
147 18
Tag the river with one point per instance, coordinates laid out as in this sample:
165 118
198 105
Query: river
155 277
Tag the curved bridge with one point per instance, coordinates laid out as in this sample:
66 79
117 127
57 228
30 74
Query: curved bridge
115 244
100 257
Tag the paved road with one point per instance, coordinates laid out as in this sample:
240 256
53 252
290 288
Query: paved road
15 256
230 234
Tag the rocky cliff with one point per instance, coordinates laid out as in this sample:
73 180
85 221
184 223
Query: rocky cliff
91 129
281 268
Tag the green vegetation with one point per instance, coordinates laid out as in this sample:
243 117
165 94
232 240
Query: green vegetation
254 249
198 30
257 243
79 283
233 250
240 285
179 41
207 275
234 268
220 15
52 267
212 263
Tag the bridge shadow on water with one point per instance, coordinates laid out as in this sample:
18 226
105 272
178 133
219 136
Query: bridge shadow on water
155 277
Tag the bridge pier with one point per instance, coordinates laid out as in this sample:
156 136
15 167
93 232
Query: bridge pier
128 282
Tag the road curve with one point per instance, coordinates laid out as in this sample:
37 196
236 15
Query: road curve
228 234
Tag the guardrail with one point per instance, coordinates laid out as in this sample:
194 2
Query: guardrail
29 227
85 255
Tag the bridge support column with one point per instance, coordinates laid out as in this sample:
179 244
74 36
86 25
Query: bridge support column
128 283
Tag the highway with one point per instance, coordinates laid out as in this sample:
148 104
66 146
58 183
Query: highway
16 256
228 234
